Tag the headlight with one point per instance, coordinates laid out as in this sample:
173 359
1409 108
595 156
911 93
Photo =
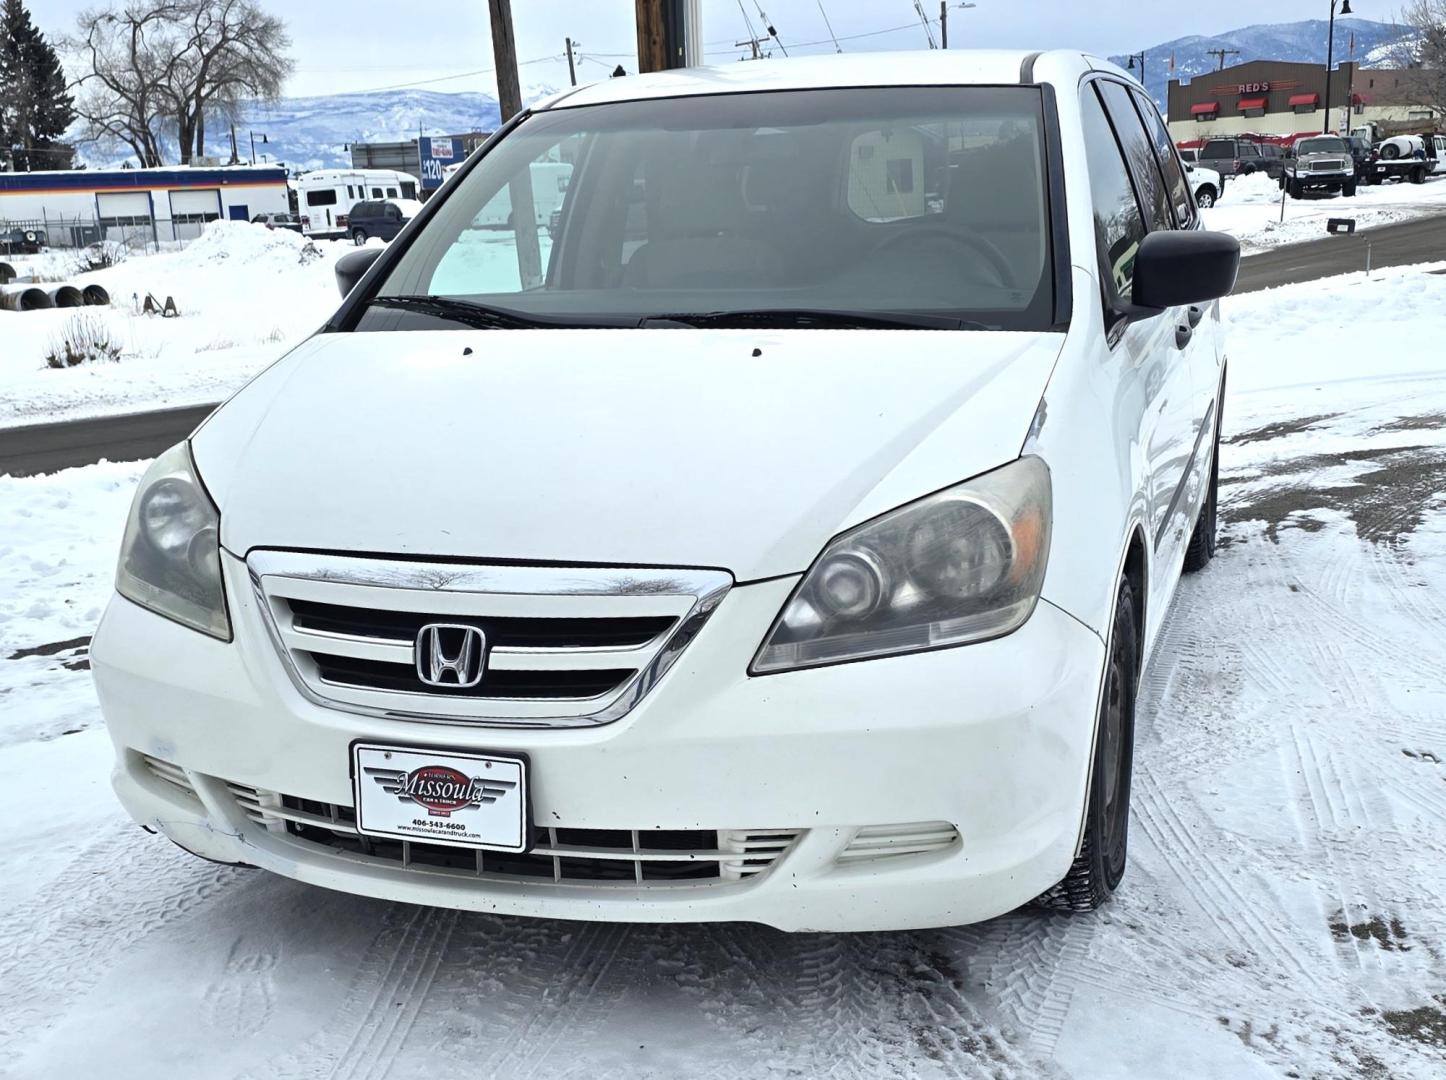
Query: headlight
171 556
961 565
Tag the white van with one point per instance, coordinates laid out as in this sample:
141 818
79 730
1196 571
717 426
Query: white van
324 198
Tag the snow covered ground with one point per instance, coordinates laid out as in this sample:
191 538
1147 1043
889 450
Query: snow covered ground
1250 210
246 294
1284 914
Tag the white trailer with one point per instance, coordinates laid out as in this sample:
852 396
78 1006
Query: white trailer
324 198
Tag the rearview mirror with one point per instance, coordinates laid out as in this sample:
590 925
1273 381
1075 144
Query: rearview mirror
1176 269
351 267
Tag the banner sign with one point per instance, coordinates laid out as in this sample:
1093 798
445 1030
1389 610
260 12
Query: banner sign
436 155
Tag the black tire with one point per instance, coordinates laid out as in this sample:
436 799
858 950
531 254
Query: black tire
1203 540
1418 175
359 237
1349 191
1205 197
1097 871
1295 190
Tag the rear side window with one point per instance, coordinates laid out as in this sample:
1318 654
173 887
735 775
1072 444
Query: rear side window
1221 148
1140 153
1119 225
1166 158
1249 150
326 197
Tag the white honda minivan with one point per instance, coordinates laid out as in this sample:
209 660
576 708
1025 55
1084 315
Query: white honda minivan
776 535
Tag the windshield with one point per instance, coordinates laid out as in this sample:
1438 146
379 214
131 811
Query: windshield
869 201
1320 146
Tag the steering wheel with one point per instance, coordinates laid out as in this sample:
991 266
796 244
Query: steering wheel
933 233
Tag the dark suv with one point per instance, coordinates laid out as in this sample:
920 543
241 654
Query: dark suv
1241 157
379 218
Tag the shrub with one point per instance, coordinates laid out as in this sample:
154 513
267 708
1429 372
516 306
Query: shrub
100 256
85 340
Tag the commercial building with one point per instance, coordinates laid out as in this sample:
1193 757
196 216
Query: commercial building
84 205
1263 97
1280 101
427 157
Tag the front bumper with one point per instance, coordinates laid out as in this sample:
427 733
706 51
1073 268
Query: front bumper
994 739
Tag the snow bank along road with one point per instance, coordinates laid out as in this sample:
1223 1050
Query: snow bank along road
1284 914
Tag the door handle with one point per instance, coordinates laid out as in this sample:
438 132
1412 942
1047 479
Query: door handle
1197 312
1183 334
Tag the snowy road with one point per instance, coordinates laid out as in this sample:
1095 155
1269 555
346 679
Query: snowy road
1284 913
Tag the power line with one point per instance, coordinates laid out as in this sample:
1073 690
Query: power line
923 18
768 25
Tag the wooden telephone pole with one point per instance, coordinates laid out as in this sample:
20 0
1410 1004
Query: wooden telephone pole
504 56
663 32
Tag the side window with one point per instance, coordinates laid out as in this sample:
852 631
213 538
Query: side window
1167 159
325 197
1119 225
1140 153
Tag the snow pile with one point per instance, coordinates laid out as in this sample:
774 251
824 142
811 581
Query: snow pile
1252 190
245 293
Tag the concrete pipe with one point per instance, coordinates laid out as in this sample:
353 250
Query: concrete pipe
25 298
7 273
66 296
95 296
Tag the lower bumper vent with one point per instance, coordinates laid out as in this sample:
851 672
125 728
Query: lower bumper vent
876 842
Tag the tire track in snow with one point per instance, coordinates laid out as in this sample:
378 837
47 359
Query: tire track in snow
118 891
1231 912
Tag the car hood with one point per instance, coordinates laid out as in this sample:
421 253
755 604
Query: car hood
734 449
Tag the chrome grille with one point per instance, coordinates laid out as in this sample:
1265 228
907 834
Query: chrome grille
560 856
564 646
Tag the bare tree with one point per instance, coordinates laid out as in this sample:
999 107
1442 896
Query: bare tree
1425 51
161 66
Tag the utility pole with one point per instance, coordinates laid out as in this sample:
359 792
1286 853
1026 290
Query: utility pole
504 56
571 69
663 33
1220 55
944 20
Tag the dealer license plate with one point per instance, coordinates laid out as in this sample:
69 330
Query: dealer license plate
453 798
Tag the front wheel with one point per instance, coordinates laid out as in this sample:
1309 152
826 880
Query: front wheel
359 237
1418 176
1349 191
1205 197
1100 865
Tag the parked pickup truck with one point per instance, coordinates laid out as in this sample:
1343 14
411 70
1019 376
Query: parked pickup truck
1319 163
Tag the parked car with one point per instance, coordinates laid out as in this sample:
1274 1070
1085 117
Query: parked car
1206 184
1190 155
22 241
786 548
1240 157
1319 163
380 218
290 222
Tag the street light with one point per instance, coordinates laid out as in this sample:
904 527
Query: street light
1330 57
944 6
253 145
1141 58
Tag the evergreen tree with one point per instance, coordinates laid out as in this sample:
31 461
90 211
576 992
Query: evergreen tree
35 108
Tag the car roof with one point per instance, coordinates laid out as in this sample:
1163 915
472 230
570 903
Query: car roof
935 67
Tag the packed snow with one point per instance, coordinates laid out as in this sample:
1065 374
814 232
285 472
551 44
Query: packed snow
245 295
1250 209
1284 913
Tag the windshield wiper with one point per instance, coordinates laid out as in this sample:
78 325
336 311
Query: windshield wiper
816 319
470 313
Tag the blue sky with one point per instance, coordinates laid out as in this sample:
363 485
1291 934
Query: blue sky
445 44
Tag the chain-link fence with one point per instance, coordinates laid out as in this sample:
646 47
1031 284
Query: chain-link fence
53 232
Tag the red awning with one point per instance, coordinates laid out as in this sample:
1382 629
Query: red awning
1303 99
1205 108
1252 103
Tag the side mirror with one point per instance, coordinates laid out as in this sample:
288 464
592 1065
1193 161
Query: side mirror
351 267
1176 269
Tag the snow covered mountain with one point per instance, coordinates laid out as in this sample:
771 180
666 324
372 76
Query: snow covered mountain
1303 42
310 132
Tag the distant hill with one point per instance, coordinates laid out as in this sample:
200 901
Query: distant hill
1301 42
310 132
